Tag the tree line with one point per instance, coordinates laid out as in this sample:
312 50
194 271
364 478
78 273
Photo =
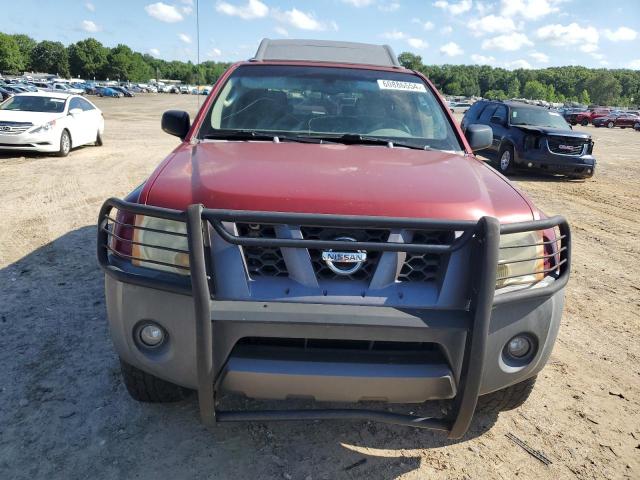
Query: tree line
554 84
89 59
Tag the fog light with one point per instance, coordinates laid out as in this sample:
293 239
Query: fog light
151 335
529 164
519 346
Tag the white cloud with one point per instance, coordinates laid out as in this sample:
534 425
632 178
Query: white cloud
359 3
187 10
528 9
539 57
417 43
154 52
622 34
634 64
304 21
509 42
90 26
572 34
483 60
598 56
389 7
394 35
492 24
451 49
454 8
214 53
163 12
282 31
518 64
425 25
184 37
250 10
446 30
90 6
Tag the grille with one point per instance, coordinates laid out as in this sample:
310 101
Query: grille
14 128
262 261
566 145
424 267
322 270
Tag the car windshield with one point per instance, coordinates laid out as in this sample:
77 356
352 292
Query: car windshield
538 117
329 102
34 104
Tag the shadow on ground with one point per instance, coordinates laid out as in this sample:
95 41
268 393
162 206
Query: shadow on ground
66 414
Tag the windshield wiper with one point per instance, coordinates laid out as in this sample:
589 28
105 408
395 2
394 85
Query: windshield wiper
357 139
255 135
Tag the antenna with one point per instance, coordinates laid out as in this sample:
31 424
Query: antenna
198 52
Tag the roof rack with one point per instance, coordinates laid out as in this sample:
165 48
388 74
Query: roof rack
326 51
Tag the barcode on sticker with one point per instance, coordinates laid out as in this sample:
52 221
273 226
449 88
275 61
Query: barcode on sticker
404 86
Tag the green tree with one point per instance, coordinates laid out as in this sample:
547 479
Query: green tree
11 60
410 61
604 88
26 44
495 95
584 98
50 57
534 90
87 58
513 88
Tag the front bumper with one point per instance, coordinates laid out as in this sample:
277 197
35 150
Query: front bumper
35 142
468 338
583 166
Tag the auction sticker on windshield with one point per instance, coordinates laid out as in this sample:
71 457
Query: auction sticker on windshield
404 86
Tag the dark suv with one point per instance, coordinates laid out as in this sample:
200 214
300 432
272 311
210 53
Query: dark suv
533 137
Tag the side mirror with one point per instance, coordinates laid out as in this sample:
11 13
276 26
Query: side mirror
75 111
176 122
497 120
479 136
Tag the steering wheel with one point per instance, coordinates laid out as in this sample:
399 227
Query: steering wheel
391 124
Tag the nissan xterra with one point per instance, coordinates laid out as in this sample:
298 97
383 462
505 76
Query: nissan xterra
324 231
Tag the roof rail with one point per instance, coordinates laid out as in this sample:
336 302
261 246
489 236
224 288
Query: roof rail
326 51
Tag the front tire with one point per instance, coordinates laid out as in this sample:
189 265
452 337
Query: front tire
507 398
505 159
584 122
65 144
610 125
144 387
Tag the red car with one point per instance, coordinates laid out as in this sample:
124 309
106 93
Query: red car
324 232
623 120
585 118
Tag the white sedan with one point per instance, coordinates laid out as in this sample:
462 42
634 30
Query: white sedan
49 122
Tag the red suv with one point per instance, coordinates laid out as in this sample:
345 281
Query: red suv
325 232
585 118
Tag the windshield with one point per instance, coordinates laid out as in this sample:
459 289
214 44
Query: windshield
34 104
538 117
328 102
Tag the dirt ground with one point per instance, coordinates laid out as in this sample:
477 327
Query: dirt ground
65 414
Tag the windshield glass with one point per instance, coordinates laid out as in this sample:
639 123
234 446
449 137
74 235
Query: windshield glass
34 104
330 102
538 117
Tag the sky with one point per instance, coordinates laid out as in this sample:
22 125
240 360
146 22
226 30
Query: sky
501 33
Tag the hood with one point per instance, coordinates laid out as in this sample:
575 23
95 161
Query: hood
552 131
334 179
37 118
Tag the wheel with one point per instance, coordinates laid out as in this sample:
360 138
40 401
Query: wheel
99 141
65 144
584 122
505 159
507 398
610 125
144 387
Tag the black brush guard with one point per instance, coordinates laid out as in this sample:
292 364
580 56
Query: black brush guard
483 234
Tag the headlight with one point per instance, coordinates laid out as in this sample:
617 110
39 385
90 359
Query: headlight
173 257
521 259
46 127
